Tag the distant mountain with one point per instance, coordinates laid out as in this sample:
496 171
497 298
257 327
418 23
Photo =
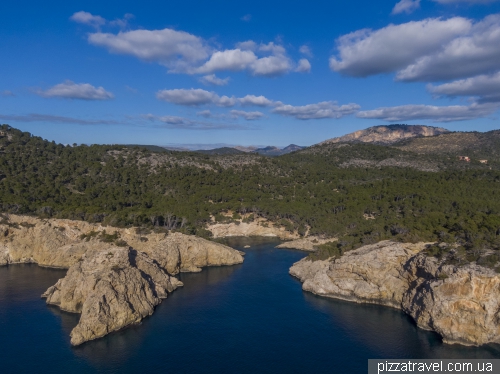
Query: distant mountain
221 151
275 151
389 134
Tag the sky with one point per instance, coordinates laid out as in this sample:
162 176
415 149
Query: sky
202 74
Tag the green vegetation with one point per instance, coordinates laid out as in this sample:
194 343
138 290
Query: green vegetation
321 189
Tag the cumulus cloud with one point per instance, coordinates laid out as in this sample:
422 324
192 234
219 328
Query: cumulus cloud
87 18
430 50
305 50
246 59
304 66
430 112
250 100
71 90
476 53
406 6
249 116
182 52
214 80
37 117
325 109
230 59
487 87
194 97
368 52
177 50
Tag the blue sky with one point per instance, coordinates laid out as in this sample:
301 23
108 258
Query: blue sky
246 73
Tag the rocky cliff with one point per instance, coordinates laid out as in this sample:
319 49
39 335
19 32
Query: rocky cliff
459 303
388 134
116 276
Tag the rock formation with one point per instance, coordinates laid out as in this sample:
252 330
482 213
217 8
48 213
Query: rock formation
257 228
111 289
388 134
116 276
459 303
305 244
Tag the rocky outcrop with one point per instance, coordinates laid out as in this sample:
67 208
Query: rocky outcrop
111 289
116 276
256 228
305 244
61 243
388 134
459 303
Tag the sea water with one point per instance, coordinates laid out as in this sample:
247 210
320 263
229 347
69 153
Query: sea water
248 318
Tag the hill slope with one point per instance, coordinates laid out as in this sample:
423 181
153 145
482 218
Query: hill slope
387 134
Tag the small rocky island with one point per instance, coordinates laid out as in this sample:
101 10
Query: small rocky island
460 303
115 276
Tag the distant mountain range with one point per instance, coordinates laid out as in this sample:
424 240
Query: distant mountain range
414 138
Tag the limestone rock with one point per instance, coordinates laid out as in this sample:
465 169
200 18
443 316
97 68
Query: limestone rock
111 289
370 274
183 253
459 303
256 228
304 244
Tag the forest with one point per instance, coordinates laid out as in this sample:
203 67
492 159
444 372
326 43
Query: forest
325 191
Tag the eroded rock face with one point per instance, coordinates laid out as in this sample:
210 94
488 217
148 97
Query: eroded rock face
459 303
111 286
59 243
183 253
111 289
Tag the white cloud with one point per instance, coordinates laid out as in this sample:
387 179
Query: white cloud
487 87
249 100
230 59
213 79
430 112
177 50
246 17
245 59
325 109
406 6
367 52
476 53
194 97
305 50
71 90
182 52
304 66
271 66
88 19
246 115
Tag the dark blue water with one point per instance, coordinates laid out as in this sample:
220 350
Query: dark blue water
248 318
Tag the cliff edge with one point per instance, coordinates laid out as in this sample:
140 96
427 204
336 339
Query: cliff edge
459 303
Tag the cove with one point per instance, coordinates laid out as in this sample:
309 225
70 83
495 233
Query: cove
248 318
